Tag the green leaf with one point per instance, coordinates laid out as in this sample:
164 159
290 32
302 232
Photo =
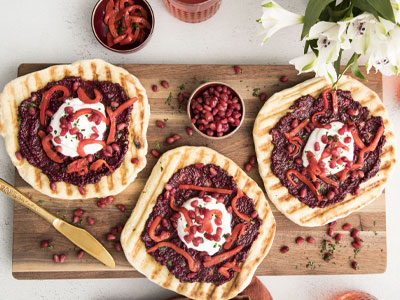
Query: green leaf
356 71
337 62
313 12
384 8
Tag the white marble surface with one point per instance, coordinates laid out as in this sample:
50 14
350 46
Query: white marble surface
59 31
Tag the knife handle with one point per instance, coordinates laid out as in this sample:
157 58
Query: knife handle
12 192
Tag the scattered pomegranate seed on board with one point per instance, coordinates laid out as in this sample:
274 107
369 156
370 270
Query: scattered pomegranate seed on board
90 220
78 212
354 232
63 257
284 249
154 88
263 97
299 240
121 207
347 226
247 167
155 153
160 123
310 240
44 244
238 70
56 258
80 254
110 237
134 160
118 246
284 79
354 265
165 84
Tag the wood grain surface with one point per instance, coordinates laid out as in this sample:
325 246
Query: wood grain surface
31 262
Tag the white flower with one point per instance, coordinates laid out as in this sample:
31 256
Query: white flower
275 18
396 10
365 32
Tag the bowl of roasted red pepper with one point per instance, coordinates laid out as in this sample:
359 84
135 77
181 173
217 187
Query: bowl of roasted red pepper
123 26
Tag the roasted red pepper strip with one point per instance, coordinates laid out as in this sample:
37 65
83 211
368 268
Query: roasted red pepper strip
111 25
221 257
84 97
371 147
327 180
183 210
339 145
110 40
343 175
111 134
326 106
140 20
46 99
296 150
297 139
205 189
237 232
208 214
80 166
239 194
46 144
334 102
97 165
153 228
304 180
357 140
226 266
88 111
313 168
124 106
109 10
296 130
122 3
194 266
82 144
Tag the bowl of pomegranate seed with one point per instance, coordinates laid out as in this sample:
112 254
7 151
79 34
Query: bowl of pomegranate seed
123 26
216 110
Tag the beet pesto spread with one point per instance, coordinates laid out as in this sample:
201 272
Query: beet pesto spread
202 226
74 130
326 147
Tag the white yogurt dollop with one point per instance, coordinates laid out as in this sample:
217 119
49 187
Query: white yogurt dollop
316 136
69 142
211 247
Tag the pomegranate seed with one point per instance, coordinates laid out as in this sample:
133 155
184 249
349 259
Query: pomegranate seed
358 240
134 160
53 186
284 249
120 227
354 232
114 230
354 265
310 240
357 191
332 224
352 112
330 195
32 110
298 161
220 199
338 237
164 84
121 207
317 146
110 237
176 216
263 97
109 199
75 220
254 214
238 70
115 147
90 220
330 232
118 246
356 245
303 192
18 155
120 126
284 79
49 113
56 258
154 88
299 240
189 131
207 199
78 212
44 244
294 123
347 226
192 215
80 254
191 275
229 209
328 256
155 153
164 222
63 257
160 123
324 139
170 140
347 139
247 167
81 190
213 172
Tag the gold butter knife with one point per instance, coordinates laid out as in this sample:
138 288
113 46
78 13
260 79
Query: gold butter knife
78 236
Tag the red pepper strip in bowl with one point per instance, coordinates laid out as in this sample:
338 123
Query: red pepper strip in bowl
208 214
46 144
371 147
194 266
205 189
304 180
80 166
140 21
46 99
135 8
221 257
153 228
124 106
111 134
97 165
334 102
183 210
326 106
122 3
109 10
111 25
110 39
88 111
83 143
226 266
84 97
237 232
239 194
357 140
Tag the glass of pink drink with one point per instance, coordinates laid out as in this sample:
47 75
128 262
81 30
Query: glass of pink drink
192 11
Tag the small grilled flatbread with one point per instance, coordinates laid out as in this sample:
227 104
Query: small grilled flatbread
135 250
278 106
21 88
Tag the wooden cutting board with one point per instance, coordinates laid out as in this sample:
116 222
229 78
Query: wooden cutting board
31 262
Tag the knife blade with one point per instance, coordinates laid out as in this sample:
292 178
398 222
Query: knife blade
78 236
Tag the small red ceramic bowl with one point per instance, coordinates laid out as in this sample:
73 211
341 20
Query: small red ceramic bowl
100 29
216 110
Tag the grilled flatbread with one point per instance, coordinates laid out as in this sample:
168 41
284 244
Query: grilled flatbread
21 88
135 250
275 108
